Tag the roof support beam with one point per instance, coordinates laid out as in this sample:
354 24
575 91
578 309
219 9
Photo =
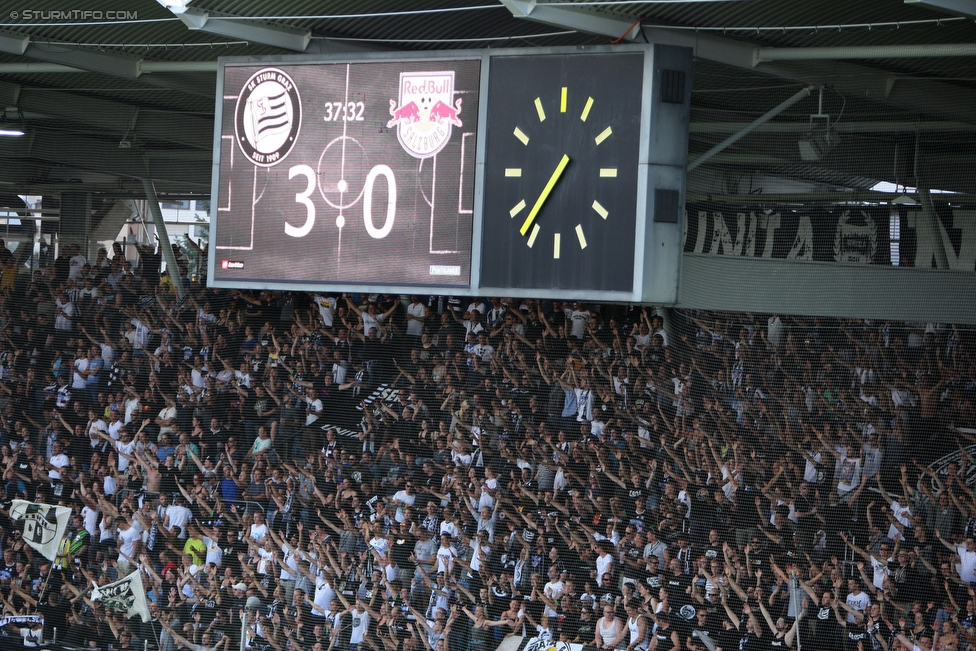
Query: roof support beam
287 38
955 102
840 127
749 128
958 7
108 63
31 67
118 119
157 216
924 51
105 157
589 19
83 58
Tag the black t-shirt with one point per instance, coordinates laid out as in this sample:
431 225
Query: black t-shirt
402 547
853 634
585 630
748 641
676 585
713 551
631 494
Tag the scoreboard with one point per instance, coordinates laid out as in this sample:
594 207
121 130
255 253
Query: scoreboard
520 171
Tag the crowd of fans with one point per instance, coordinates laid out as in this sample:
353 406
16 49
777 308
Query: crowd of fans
605 475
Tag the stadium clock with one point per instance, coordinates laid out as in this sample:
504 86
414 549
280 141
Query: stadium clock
561 173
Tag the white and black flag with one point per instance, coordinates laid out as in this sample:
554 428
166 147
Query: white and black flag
125 596
44 525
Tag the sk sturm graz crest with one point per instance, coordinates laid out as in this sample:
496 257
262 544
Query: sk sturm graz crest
40 524
268 117
426 112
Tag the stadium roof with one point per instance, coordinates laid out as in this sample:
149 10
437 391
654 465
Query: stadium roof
127 91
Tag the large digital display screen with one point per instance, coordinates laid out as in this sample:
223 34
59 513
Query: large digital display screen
344 174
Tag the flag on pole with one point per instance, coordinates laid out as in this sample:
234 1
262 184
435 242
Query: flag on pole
125 595
44 525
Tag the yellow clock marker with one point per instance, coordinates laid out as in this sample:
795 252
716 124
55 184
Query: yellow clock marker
513 171
603 135
533 235
580 236
608 172
521 136
563 162
586 109
555 246
517 208
562 100
600 210
538 109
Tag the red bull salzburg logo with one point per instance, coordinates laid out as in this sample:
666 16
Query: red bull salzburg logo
268 117
426 112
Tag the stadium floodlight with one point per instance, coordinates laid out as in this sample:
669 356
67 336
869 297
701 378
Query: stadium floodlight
820 138
819 141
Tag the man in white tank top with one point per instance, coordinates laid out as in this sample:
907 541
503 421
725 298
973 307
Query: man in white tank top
636 626
609 629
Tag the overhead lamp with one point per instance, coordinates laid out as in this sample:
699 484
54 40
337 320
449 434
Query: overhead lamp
904 199
820 139
176 6
11 124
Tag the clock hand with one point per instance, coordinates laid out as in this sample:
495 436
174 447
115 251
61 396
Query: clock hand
545 194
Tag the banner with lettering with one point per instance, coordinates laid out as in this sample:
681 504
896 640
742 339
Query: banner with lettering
904 236
127 596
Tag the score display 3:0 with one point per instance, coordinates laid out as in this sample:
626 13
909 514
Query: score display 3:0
354 173
304 198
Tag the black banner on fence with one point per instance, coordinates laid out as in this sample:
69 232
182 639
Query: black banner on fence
880 235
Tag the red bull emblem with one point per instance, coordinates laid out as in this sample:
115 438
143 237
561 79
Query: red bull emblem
426 112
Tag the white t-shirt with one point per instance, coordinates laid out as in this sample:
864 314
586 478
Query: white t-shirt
849 476
314 409
60 461
416 328
880 572
324 594
215 555
579 318
165 414
967 564
258 532
553 590
79 377
178 517
113 429
904 516
74 266
404 498
445 560
124 448
127 541
91 519
327 306
602 563
63 320
360 624
860 602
